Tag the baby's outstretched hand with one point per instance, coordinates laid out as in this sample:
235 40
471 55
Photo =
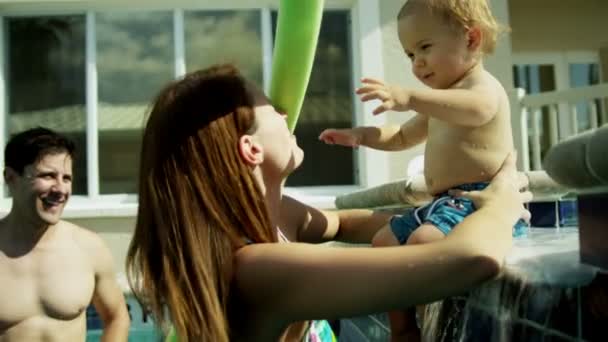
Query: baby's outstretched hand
344 137
392 97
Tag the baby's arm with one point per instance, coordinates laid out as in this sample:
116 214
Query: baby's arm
474 106
467 107
386 138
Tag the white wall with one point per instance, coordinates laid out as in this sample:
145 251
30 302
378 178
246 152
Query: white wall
397 69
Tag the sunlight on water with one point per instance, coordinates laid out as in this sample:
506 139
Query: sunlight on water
550 256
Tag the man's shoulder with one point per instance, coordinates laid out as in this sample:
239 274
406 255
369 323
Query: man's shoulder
83 237
90 243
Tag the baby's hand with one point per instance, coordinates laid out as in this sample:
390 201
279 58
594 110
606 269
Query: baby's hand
392 97
344 137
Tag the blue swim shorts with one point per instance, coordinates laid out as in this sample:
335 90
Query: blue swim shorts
444 212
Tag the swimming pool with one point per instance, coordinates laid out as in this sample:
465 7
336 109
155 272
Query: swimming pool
142 328
545 294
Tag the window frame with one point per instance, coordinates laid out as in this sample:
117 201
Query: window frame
370 167
560 60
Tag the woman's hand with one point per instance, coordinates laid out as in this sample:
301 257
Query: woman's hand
507 191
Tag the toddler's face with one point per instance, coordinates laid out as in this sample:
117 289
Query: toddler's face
440 54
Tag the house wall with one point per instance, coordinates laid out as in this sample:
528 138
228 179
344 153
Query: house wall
115 231
548 25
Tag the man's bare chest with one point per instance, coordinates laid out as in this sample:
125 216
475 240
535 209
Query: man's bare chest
57 283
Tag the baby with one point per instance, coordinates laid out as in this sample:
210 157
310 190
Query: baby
464 118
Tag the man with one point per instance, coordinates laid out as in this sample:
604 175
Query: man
51 270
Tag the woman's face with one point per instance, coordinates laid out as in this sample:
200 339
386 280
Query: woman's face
282 154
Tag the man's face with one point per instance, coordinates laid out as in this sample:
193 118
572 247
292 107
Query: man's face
42 192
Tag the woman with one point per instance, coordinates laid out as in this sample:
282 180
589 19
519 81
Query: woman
215 156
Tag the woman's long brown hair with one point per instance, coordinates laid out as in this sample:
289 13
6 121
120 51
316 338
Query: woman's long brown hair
198 203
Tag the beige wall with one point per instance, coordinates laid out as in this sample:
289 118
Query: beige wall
397 69
549 25
116 232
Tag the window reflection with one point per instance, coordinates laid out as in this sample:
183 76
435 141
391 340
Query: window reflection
581 75
47 85
534 79
134 60
46 80
537 78
235 37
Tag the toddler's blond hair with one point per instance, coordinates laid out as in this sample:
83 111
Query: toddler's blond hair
462 14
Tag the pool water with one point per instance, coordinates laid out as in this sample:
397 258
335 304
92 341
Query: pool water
142 328
545 294
135 335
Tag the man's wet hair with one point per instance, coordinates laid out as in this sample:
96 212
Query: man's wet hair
30 146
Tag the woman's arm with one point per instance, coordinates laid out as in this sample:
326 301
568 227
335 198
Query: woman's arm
292 282
359 225
302 281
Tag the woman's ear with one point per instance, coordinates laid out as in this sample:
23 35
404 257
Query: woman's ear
250 150
474 38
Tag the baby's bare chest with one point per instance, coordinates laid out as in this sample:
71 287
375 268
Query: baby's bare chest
459 155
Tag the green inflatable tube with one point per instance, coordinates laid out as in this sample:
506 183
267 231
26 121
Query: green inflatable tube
298 27
294 52
171 337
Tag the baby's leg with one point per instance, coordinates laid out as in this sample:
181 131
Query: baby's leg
424 234
385 237
402 322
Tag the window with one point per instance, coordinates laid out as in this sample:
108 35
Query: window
585 74
559 71
328 104
543 72
134 60
534 79
46 80
225 37
133 54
